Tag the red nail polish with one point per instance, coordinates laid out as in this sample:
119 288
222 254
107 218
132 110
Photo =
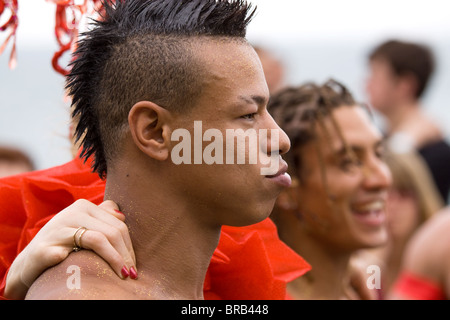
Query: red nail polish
118 211
125 272
133 273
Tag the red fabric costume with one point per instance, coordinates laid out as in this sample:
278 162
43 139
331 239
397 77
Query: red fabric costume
416 287
249 262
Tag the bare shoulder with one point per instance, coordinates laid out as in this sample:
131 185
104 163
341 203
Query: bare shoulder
83 275
430 246
433 232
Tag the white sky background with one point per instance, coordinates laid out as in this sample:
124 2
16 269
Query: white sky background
316 38
318 19
350 18
281 21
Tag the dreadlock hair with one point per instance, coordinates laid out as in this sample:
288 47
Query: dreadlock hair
142 50
300 110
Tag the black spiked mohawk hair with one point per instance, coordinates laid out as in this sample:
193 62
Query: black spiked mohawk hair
112 70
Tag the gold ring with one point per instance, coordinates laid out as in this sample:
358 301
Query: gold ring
77 246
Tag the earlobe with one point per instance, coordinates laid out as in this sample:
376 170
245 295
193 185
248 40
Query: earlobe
409 84
150 130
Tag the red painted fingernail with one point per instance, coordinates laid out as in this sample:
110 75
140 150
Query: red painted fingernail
118 211
133 273
125 272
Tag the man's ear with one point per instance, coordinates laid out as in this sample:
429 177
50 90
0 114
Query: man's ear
149 126
408 84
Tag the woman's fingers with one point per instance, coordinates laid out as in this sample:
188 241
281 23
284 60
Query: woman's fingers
106 213
107 235
103 219
108 247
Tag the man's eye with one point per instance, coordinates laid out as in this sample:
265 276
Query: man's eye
349 162
249 116
380 153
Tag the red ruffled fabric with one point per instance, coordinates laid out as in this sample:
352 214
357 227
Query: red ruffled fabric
415 287
252 263
30 200
249 262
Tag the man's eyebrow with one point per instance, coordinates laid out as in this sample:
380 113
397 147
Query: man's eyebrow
355 148
255 99
343 150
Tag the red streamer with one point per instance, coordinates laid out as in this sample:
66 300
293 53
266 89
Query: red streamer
10 26
68 15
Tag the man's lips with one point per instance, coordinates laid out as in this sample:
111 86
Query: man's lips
281 178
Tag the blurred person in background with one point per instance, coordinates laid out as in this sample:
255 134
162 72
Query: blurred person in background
398 78
425 270
336 204
273 68
14 161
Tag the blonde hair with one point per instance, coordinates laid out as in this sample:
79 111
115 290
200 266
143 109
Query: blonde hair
410 173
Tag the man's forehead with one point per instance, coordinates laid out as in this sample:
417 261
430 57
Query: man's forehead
222 50
353 125
233 65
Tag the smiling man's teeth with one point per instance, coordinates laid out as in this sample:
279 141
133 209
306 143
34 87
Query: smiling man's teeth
370 207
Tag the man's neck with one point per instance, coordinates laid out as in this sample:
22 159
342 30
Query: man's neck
327 278
173 247
409 120
329 267
400 113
